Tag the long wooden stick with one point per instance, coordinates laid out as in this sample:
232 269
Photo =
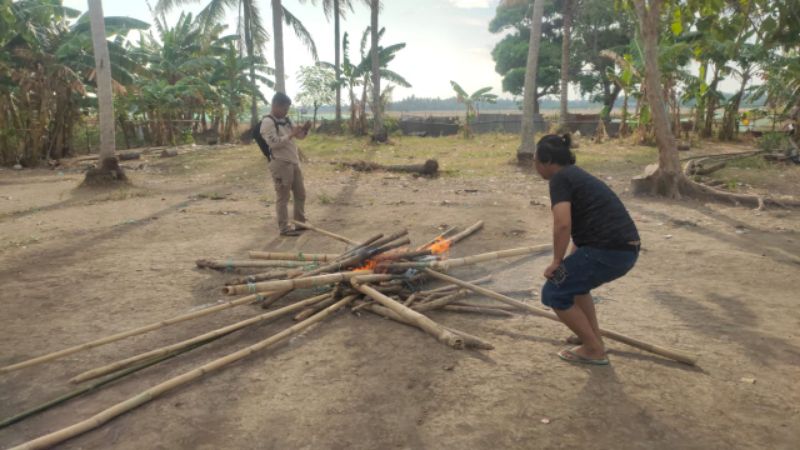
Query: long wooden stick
477 310
309 257
300 283
326 233
104 416
470 341
441 302
474 259
455 239
652 348
113 367
129 333
92 386
426 324
220 264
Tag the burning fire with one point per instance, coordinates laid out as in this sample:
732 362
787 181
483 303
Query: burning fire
369 265
441 246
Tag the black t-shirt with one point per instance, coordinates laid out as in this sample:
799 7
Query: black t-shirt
599 219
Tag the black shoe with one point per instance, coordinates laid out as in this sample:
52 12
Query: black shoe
291 233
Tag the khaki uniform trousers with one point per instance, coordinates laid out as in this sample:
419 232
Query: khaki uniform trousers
288 180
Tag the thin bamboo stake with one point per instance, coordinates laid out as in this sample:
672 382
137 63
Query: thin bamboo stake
453 287
474 259
437 238
326 233
652 348
301 283
440 302
104 416
477 310
470 341
313 309
429 326
455 239
113 367
129 333
219 264
310 257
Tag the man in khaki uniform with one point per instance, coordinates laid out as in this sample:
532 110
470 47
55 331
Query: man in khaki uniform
279 132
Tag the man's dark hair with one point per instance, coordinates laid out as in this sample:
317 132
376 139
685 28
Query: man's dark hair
281 99
555 149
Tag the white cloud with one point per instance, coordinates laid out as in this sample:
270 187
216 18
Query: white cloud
470 4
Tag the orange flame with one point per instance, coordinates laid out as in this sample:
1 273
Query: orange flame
441 246
369 265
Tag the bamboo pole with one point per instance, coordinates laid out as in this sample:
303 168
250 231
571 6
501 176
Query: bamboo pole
94 386
477 310
219 264
301 283
313 309
474 259
455 239
113 367
440 302
326 233
104 416
453 287
433 241
129 333
470 341
429 326
310 257
652 348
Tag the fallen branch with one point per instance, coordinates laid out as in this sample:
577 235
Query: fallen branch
475 259
323 232
477 310
230 265
428 168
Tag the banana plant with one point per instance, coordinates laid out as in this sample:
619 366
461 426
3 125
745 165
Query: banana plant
472 103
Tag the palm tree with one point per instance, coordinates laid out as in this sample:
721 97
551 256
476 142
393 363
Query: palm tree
109 165
471 102
378 133
279 16
567 36
527 148
336 8
255 35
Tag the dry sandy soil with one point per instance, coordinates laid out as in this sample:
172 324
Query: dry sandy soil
718 281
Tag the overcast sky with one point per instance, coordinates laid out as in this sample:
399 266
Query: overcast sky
446 39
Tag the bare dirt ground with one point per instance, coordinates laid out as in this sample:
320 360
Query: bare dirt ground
714 280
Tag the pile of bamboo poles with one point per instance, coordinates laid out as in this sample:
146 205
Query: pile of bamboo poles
382 275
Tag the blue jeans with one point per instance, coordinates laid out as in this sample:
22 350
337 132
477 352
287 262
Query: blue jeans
586 269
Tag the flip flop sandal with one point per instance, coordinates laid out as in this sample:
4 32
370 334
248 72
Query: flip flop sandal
571 356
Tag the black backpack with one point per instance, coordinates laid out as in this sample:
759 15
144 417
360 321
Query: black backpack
262 144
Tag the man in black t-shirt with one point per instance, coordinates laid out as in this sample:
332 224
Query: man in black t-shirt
606 246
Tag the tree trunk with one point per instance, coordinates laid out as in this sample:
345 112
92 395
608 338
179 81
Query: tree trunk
378 133
711 105
528 146
109 170
567 36
337 62
277 36
700 111
666 178
623 127
314 123
248 40
729 130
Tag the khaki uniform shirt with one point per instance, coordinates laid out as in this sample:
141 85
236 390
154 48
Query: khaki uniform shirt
280 143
